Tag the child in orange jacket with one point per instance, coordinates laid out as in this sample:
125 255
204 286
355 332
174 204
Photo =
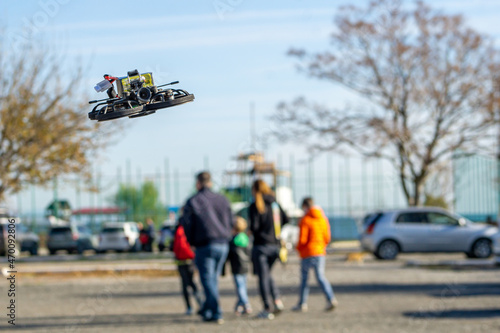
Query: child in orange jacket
314 237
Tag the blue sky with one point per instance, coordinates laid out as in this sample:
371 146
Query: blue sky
229 53
227 58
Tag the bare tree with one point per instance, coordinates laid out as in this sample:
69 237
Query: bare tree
425 81
44 129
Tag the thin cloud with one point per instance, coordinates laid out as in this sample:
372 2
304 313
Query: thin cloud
192 38
187 20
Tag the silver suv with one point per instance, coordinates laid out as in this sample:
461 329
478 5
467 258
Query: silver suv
426 229
71 238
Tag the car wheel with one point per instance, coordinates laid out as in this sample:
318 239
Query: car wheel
80 248
387 250
481 248
34 249
52 252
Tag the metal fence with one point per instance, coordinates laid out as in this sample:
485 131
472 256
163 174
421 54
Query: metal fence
346 188
476 186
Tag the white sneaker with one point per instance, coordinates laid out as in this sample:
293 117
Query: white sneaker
278 306
265 315
330 306
300 308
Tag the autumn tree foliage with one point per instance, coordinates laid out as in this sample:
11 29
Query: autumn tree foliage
44 129
425 82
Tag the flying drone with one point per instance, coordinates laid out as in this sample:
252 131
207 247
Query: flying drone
137 97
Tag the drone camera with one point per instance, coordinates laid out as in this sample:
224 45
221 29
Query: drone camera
144 95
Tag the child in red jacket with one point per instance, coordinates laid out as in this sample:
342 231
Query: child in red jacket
184 256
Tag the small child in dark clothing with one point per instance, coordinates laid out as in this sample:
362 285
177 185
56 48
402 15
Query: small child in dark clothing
184 256
239 257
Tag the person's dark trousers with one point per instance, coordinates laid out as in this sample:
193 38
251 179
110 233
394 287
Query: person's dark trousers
150 244
186 271
209 260
263 257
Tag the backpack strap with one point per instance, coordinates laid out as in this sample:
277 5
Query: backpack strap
276 219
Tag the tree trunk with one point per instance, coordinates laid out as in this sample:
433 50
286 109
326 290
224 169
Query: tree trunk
406 191
2 194
418 185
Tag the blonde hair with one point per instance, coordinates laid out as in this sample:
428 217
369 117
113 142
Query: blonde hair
260 188
240 225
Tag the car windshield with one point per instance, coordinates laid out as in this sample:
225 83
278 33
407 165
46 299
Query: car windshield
441 219
110 230
21 228
460 217
58 231
83 230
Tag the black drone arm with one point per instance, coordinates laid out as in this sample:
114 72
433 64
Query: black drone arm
104 99
168 84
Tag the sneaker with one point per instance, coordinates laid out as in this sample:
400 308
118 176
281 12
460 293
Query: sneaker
300 308
218 321
278 306
332 305
238 310
189 312
247 309
264 314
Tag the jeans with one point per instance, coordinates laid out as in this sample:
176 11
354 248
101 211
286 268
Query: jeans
318 264
240 281
263 257
209 261
186 272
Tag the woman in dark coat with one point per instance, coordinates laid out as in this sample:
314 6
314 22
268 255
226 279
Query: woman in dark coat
266 219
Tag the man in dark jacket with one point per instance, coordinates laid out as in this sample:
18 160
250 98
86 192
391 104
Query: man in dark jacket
207 222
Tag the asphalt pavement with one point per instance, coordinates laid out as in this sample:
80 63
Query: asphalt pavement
374 296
